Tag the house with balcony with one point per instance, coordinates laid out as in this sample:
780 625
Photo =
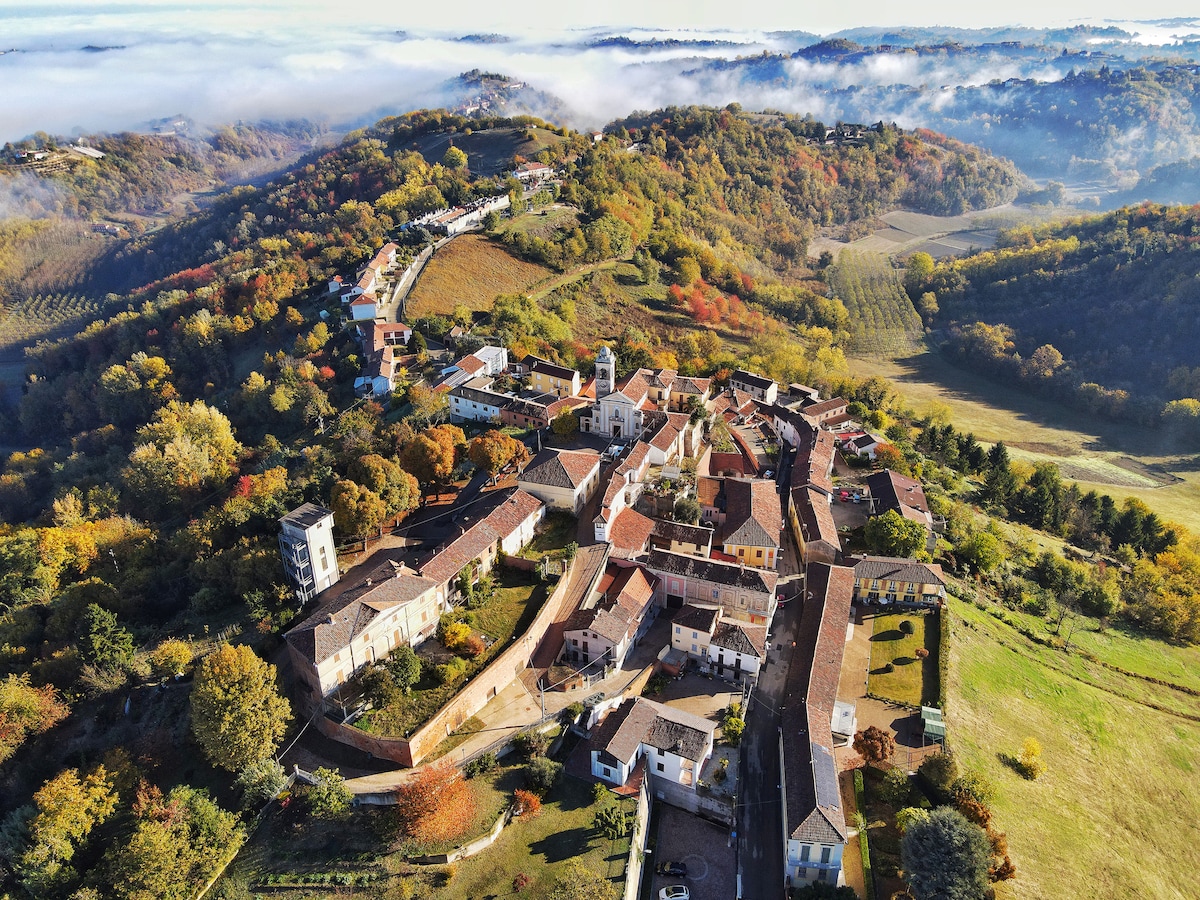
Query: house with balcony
886 579
309 555
548 378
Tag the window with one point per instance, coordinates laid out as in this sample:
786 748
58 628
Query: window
662 752
694 650
822 874
661 767
607 772
758 554
695 634
824 854
337 657
716 593
324 558
678 630
574 642
805 851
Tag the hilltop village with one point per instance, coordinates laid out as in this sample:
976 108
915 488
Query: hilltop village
698 561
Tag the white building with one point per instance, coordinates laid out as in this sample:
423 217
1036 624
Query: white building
674 744
309 557
562 479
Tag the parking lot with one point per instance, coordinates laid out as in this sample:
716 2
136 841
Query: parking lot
706 697
700 845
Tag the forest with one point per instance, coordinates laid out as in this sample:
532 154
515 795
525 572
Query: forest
1101 311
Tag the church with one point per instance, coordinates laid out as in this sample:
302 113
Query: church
624 411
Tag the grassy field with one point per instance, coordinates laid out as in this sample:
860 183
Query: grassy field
914 681
544 223
488 152
1121 460
882 318
290 844
1107 820
472 270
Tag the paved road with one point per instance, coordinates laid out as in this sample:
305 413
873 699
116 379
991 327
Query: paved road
760 810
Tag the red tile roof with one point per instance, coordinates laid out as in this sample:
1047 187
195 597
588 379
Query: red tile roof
629 534
501 522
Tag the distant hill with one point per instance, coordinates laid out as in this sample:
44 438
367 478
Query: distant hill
1104 311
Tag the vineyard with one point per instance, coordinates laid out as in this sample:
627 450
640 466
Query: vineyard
45 316
882 318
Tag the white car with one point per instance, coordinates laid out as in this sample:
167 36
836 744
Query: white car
675 892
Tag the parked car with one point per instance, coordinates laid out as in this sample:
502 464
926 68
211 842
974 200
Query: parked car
673 869
675 892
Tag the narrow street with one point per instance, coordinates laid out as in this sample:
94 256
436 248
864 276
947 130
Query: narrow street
760 808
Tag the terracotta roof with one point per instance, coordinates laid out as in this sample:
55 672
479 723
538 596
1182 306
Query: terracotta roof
504 519
731 574
472 364
890 568
899 492
635 387
753 515
332 627
707 489
697 618
629 533
814 810
560 468
824 407
363 300
664 439
748 640
814 457
816 515
625 593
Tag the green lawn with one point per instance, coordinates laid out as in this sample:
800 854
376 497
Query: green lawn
291 844
556 531
1109 817
517 601
914 681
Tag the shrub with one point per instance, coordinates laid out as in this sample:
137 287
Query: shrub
655 685
171 657
889 668
939 772
906 626
572 711
329 798
612 821
1030 762
474 646
895 787
520 882
450 672
481 765
542 774
733 726
531 744
527 804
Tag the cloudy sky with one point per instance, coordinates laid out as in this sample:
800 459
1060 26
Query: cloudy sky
102 66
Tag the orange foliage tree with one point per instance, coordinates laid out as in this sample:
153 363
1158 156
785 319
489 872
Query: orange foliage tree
527 804
438 805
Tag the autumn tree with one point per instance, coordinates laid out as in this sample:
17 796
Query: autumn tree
187 448
493 450
893 535
427 403
397 489
874 745
454 158
26 710
260 781
945 856
171 657
565 424
437 805
526 804
238 715
67 808
432 455
177 843
357 511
